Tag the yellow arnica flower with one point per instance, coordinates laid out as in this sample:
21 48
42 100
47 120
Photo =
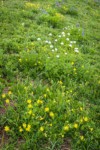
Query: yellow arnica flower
41 129
46 109
30 106
28 128
81 108
3 95
72 63
82 138
39 101
20 60
66 128
9 93
74 69
60 82
76 125
24 125
6 128
47 90
29 101
45 95
86 119
20 129
51 114
30 112
7 101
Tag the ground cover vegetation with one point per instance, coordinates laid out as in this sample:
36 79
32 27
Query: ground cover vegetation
49 74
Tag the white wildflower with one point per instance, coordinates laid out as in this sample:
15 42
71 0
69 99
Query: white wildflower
51 46
56 40
56 49
38 39
62 43
50 34
57 56
67 39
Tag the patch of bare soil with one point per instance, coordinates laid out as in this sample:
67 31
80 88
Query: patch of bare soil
66 145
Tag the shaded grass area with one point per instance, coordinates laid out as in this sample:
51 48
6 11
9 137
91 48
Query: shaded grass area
49 64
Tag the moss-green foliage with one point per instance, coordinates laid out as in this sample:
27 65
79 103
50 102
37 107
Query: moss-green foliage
49 74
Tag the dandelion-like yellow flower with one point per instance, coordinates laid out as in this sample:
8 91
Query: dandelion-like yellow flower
51 114
29 101
72 63
28 128
86 119
47 109
39 101
30 112
20 60
20 129
60 82
82 138
91 129
41 129
3 95
81 108
74 69
47 90
6 128
7 101
24 125
41 118
66 128
30 106
9 93
76 125
45 95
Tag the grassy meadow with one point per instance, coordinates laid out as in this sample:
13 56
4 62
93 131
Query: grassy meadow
49 75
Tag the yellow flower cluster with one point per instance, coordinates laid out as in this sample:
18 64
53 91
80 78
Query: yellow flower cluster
26 127
51 114
6 128
39 101
31 5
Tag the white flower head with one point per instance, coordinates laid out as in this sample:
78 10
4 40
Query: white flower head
63 33
62 43
68 33
52 50
67 39
56 49
49 42
46 41
50 34
65 53
51 46
38 39
57 56
70 45
76 50
59 36
56 40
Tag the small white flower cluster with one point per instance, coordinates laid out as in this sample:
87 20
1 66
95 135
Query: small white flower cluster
76 50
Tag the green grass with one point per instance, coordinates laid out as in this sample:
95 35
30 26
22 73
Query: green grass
49 74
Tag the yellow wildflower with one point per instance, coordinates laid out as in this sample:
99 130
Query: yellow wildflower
20 60
60 82
29 101
82 137
45 95
41 129
3 95
50 124
74 69
39 101
66 128
20 129
30 112
28 128
24 125
7 101
47 109
91 129
9 93
86 119
41 118
6 128
51 114
81 108
76 125
47 90
72 63
30 106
